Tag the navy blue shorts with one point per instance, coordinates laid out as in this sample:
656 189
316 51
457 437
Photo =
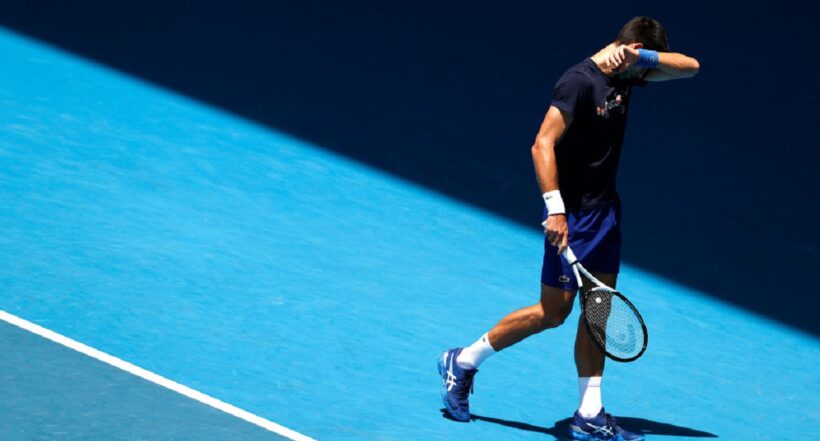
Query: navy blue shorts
595 238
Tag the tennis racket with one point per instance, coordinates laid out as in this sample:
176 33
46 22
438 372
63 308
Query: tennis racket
613 322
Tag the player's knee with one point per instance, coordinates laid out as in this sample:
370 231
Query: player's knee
558 317
550 321
554 314
552 318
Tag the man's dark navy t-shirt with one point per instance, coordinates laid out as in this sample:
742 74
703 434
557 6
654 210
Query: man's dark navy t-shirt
587 155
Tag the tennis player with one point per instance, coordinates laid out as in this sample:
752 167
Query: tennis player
576 156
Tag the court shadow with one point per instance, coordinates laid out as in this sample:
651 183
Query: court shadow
560 428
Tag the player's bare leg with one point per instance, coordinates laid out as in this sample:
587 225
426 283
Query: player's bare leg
458 366
589 360
551 310
591 419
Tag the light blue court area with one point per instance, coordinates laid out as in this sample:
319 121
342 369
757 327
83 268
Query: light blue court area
307 289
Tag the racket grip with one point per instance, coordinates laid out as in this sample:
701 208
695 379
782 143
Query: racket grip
569 255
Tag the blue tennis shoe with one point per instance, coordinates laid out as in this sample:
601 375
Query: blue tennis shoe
602 427
456 385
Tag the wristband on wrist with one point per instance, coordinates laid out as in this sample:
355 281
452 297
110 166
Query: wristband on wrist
554 203
647 58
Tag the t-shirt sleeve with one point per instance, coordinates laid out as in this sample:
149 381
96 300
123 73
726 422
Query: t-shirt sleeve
571 91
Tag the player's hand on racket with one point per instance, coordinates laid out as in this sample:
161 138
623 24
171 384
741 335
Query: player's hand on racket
623 57
557 232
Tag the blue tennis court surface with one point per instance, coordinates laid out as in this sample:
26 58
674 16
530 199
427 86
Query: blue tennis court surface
307 289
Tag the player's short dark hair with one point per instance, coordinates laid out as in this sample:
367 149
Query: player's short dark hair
644 30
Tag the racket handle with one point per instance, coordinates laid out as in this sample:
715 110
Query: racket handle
569 255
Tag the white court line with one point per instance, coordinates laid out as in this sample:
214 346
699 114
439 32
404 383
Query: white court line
152 377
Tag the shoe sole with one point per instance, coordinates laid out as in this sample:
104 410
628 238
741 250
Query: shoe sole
585 437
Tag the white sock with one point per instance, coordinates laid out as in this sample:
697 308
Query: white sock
473 355
590 390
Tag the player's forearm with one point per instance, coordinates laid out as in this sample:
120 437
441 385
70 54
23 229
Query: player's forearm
677 65
543 159
546 170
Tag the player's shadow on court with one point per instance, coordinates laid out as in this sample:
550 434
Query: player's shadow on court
560 429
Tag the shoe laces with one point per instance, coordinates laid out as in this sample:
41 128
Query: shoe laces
465 387
612 422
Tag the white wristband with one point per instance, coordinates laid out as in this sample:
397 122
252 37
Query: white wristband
554 203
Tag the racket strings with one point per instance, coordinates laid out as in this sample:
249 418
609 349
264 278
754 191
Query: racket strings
613 324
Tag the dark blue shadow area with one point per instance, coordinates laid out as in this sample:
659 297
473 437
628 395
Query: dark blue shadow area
560 429
718 175
52 393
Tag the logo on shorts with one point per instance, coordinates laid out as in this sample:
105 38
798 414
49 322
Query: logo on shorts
563 279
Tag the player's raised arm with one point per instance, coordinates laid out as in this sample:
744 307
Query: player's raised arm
663 66
552 129
673 66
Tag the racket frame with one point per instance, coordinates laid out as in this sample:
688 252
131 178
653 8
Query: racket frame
579 269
